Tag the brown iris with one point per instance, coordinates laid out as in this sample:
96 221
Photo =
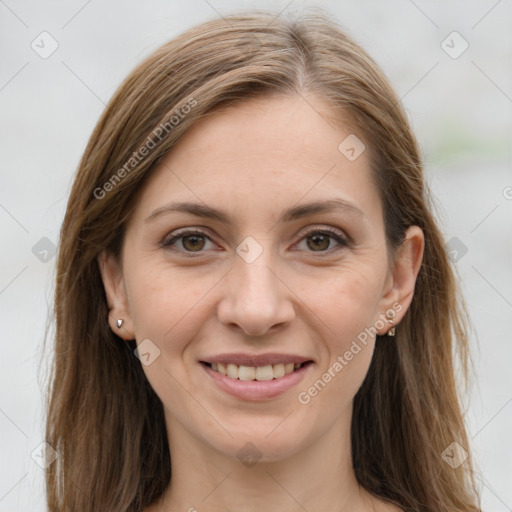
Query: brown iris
196 242
319 241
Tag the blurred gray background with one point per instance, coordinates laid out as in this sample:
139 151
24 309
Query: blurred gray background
450 62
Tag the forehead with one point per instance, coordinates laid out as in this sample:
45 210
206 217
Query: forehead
259 154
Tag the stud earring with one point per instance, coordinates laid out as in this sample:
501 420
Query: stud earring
391 331
119 323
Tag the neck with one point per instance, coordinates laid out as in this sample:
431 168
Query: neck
318 478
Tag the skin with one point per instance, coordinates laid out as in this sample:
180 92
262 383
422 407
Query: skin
255 160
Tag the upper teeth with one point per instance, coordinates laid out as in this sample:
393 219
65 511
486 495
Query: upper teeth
267 372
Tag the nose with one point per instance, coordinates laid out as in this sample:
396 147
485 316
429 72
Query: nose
256 300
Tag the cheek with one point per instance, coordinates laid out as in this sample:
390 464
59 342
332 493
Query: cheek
166 301
169 307
347 310
346 301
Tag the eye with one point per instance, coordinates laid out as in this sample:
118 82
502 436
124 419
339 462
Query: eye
319 240
195 240
190 241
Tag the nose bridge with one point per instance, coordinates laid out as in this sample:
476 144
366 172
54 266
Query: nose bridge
255 299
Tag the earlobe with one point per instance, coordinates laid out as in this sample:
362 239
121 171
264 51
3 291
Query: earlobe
113 282
407 265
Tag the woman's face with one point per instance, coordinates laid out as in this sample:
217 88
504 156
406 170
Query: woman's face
270 286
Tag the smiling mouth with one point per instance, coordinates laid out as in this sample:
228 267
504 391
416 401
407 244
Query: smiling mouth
258 373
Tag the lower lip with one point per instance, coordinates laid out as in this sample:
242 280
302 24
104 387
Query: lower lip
257 390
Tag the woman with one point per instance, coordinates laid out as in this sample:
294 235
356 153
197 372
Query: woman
254 307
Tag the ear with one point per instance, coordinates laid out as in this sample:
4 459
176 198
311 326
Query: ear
402 279
113 282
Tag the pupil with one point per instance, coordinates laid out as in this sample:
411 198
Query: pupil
321 239
195 239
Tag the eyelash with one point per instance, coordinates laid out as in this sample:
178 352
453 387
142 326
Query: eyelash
332 233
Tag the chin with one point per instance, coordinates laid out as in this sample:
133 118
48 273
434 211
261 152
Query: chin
253 445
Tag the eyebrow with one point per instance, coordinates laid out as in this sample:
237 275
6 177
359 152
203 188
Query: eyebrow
294 213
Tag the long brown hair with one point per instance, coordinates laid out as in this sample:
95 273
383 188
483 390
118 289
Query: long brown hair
104 419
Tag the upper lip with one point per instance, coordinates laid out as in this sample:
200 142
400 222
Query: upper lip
255 359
